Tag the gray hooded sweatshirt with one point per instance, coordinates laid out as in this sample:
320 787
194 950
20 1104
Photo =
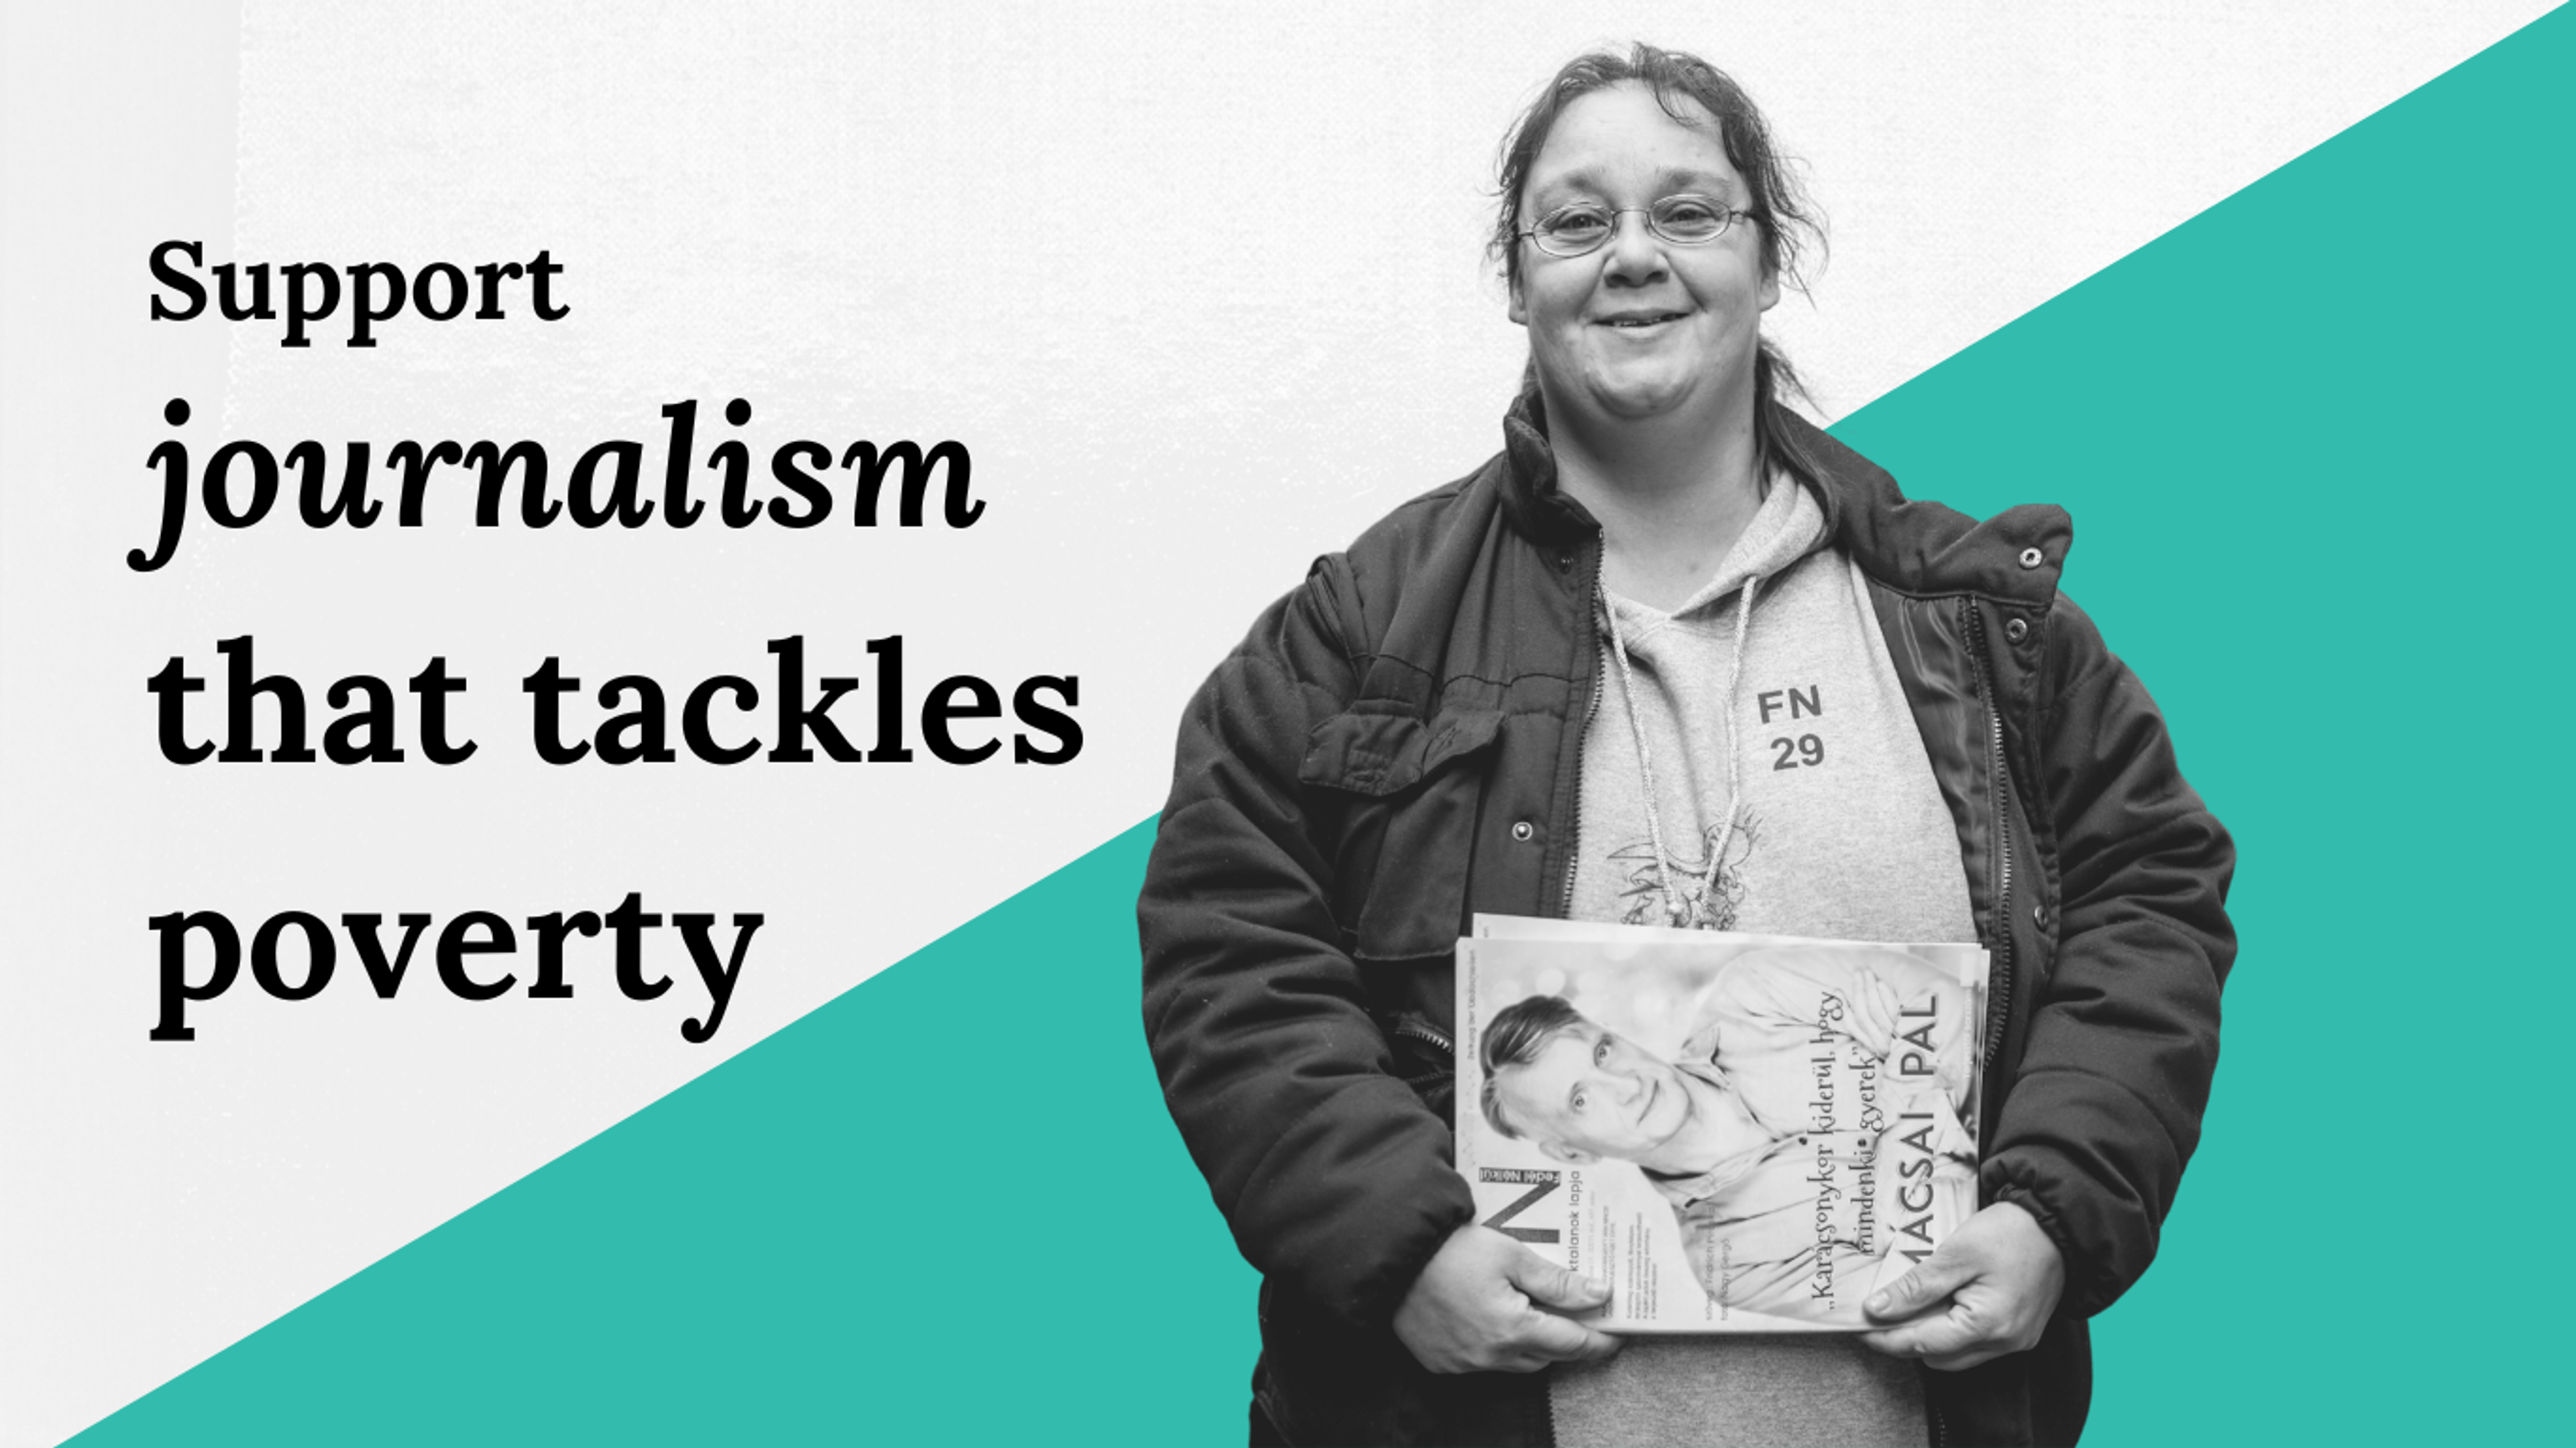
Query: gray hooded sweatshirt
1779 739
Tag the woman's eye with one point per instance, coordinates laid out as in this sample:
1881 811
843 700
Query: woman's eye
1576 225
1580 1100
1690 217
1601 1051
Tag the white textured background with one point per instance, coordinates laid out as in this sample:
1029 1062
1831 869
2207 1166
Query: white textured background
1201 287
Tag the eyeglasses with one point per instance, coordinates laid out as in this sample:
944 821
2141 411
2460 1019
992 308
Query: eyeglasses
1580 228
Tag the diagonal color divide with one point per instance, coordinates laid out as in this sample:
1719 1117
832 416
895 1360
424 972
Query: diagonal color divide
2304 437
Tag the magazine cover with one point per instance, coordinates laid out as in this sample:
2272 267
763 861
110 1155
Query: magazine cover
1738 1133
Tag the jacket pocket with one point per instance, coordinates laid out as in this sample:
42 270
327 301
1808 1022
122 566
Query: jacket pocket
1408 837
1425 1055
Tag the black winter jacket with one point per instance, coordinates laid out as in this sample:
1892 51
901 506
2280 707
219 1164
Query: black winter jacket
1397 745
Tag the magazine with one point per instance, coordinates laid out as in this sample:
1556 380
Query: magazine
1738 1133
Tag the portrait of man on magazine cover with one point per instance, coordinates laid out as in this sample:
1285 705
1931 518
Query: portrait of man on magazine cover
1774 1132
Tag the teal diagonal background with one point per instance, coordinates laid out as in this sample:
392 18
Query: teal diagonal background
2314 444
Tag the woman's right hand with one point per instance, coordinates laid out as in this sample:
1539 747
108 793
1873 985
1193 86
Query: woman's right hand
1485 1303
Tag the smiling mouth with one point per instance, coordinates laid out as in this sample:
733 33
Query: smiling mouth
1639 321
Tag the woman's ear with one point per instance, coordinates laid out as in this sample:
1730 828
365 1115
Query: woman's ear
1570 1155
1770 289
1520 314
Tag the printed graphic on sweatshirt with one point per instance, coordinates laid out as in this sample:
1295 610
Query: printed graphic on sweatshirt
1697 901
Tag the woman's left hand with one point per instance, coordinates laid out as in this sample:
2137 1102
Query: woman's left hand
1987 1290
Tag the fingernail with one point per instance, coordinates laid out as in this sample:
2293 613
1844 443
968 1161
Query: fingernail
1877 1303
1596 1287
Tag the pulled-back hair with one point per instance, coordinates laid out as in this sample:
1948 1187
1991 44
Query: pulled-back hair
1514 1037
1788 221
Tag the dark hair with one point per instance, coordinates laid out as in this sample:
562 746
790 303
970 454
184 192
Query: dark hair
1789 223
1513 1038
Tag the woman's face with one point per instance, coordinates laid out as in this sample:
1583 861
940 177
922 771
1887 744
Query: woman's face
1640 328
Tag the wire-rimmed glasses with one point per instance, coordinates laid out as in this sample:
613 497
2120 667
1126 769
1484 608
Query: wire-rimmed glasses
1581 227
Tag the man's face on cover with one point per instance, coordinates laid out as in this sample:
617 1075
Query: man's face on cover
1592 1093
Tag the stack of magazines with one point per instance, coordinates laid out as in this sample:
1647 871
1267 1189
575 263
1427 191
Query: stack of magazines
1738 1133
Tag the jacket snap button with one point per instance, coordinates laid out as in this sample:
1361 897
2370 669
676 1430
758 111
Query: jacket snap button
2039 916
2016 630
1565 560
1523 830
2030 558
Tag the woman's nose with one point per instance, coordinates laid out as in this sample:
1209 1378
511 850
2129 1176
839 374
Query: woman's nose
1634 252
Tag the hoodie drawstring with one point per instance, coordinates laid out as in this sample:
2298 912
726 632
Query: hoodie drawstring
1664 866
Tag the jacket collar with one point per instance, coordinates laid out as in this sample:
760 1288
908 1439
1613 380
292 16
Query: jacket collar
1915 547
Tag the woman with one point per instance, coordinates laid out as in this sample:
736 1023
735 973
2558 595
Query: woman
1673 647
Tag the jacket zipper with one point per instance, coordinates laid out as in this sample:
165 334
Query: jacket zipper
1999 975
1574 826
1428 1034
1574 843
2000 978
